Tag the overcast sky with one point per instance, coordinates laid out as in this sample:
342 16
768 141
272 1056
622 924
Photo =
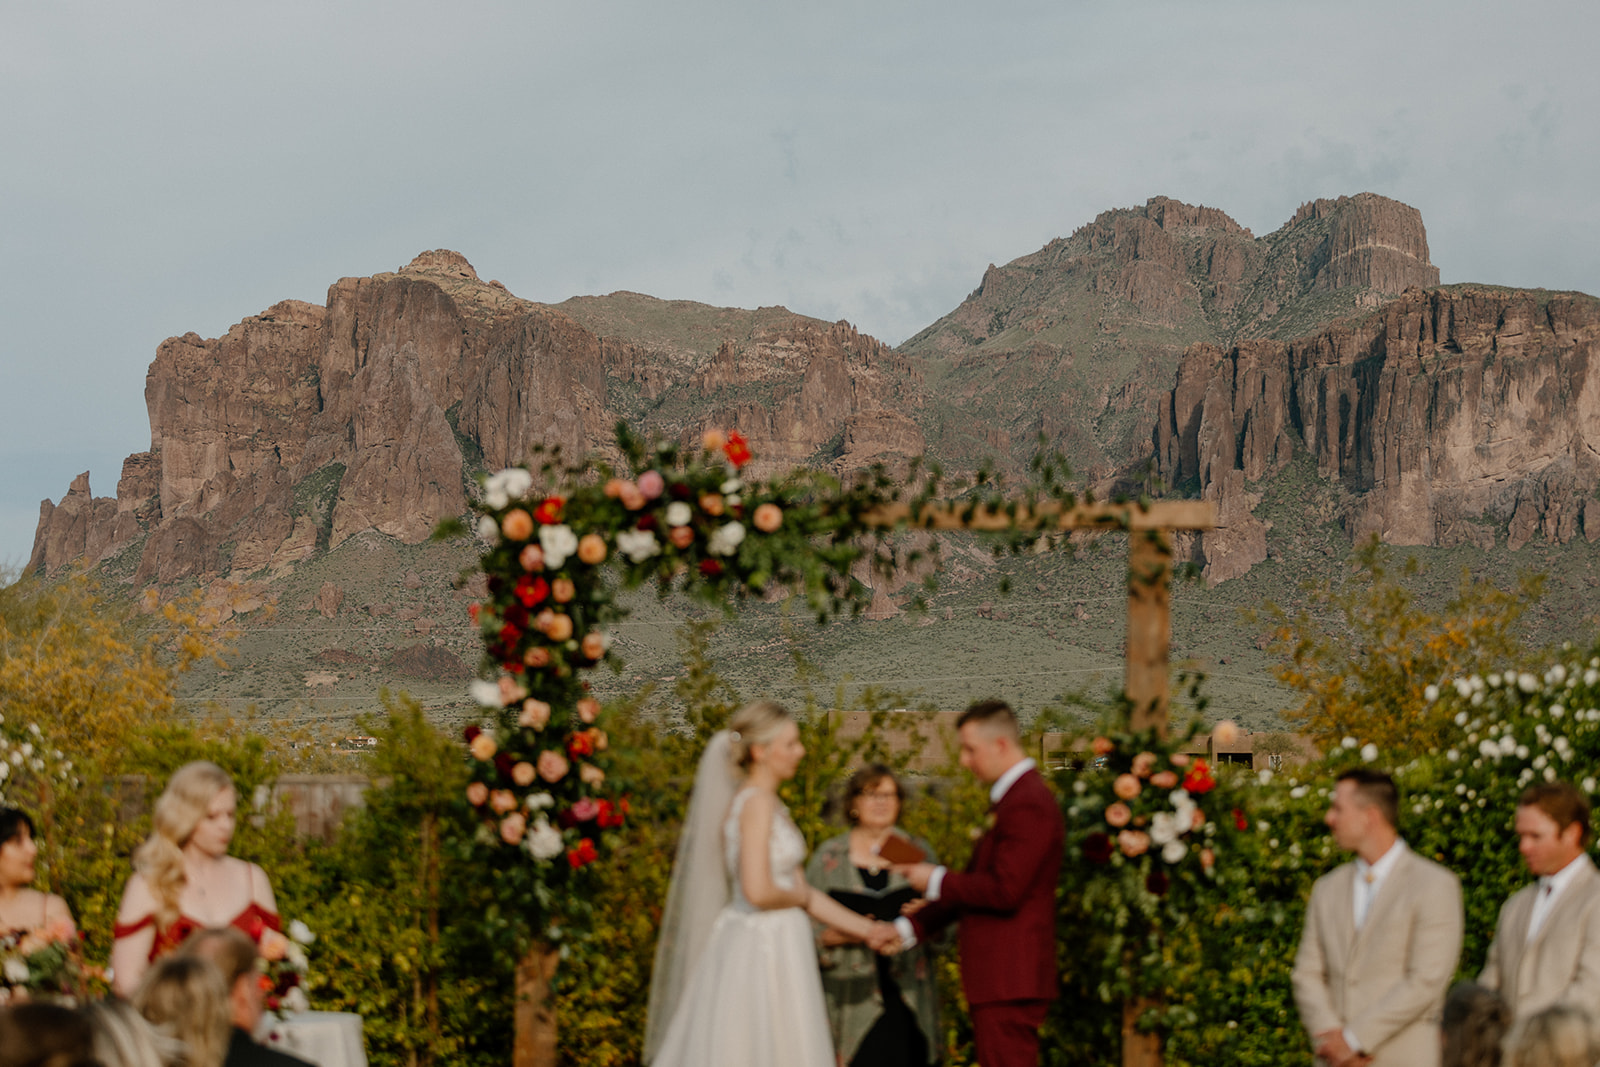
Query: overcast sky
171 166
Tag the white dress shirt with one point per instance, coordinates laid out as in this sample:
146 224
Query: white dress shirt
1550 887
1002 785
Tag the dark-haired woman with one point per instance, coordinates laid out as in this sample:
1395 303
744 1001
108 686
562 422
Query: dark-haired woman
23 909
883 1009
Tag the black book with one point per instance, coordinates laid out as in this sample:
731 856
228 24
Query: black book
885 906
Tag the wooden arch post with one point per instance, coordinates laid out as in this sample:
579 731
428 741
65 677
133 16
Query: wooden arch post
1147 670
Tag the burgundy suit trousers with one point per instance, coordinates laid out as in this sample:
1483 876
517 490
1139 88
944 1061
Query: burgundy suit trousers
1007 1032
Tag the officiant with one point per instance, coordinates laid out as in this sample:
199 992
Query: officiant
884 1010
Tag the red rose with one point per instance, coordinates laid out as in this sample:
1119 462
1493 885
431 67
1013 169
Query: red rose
710 568
737 449
647 522
1097 848
510 635
1239 821
473 731
584 853
580 745
549 510
1199 779
472 611
1156 882
531 590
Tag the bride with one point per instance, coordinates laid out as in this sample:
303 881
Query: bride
736 980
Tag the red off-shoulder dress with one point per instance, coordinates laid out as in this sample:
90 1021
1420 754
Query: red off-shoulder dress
253 921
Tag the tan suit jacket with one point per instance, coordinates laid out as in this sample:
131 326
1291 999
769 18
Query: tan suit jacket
1561 964
1385 982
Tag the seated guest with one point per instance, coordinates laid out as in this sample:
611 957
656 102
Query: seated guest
883 1010
22 908
1555 1037
123 1039
184 998
44 1035
1473 1029
235 957
185 880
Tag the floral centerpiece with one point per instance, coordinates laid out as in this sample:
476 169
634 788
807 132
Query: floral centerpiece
1151 835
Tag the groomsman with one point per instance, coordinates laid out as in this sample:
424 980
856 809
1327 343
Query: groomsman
1546 947
1005 899
1381 940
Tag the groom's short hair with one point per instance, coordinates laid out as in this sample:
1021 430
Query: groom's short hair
996 716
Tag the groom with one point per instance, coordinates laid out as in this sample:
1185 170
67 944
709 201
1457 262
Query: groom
1005 899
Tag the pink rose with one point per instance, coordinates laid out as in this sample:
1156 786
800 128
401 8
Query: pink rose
631 496
274 946
1126 786
553 766
591 775
588 709
1180 759
585 809
1164 780
535 713
510 691
1144 763
1225 734
1208 858
768 517
532 558
477 793
503 800
522 774
1102 746
512 827
651 484
1118 814
1134 843
1198 820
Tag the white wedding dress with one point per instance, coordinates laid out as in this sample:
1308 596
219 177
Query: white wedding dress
754 997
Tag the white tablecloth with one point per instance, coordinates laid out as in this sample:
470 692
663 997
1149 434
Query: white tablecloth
325 1038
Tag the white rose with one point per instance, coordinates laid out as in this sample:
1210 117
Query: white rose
488 529
1527 682
1431 693
679 513
485 693
1588 785
558 543
1264 775
1349 742
295 953
1164 828
296 1000
1369 752
16 971
638 545
726 540
544 841
301 932
1173 851
540 801
732 485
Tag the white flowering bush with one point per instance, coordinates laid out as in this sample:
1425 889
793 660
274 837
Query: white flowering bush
31 769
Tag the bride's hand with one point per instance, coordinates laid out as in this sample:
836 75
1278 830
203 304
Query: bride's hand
884 938
832 938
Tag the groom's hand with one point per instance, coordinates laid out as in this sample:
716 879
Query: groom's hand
884 938
915 873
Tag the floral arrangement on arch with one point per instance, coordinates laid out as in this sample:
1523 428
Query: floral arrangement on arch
1151 832
45 964
560 543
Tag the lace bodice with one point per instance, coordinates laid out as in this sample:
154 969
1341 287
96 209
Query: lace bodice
787 849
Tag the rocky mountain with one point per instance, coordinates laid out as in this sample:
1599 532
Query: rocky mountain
305 425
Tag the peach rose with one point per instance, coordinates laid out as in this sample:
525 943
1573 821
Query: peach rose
1180 759
633 497
768 517
591 775
1134 843
477 793
711 503
1126 786
563 590
510 691
483 747
512 827
681 536
531 558
536 657
1198 820
588 709
1208 858
594 644
1225 734
1164 780
712 440
517 525
553 766
273 945
1144 763
613 487
522 774
535 713
502 800
592 549
560 628
1118 814
598 738
1102 746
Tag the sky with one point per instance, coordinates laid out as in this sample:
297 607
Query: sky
179 166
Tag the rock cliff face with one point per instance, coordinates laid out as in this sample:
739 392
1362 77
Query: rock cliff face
1445 415
306 425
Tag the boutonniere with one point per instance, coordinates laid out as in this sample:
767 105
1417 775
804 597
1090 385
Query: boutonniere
978 831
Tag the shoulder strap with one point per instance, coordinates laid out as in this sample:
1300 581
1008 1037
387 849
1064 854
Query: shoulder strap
121 930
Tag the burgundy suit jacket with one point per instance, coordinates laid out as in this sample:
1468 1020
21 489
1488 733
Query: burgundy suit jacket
1006 899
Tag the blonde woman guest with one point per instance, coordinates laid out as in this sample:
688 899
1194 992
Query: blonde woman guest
24 909
121 1038
184 880
883 1010
184 998
1555 1037
736 980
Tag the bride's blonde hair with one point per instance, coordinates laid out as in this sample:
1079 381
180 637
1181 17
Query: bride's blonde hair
755 724
179 810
